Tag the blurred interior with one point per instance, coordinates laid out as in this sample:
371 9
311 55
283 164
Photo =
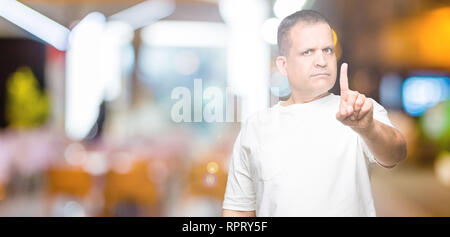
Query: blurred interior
91 93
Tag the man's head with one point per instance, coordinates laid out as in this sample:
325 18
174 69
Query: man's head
307 58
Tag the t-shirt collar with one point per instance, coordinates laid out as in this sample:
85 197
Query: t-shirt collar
318 102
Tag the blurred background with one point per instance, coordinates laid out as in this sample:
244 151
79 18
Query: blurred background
131 107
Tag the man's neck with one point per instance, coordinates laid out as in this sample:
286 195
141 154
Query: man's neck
295 99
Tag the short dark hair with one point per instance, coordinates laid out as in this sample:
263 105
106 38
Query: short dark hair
306 16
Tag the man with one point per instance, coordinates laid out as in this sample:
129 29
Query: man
312 154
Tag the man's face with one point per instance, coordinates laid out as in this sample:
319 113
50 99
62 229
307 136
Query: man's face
310 63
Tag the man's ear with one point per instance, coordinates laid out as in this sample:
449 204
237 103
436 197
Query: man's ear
281 65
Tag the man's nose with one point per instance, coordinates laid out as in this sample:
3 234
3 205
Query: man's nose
320 60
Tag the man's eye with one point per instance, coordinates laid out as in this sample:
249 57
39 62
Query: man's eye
307 52
328 50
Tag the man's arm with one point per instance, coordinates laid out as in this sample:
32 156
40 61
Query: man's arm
232 213
386 143
356 111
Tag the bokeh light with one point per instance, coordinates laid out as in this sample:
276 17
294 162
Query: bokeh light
442 168
270 29
210 180
283 8
421 93
436 122
75 154
212 167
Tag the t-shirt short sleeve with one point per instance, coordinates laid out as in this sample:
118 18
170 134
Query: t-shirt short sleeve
380 114
240 191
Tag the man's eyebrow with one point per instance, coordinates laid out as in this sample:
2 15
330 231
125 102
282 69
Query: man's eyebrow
306 49
314 49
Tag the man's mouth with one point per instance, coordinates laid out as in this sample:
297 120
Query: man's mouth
320 75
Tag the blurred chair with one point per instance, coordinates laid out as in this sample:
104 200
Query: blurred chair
68 181
133 188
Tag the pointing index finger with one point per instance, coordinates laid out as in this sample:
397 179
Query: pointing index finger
344 80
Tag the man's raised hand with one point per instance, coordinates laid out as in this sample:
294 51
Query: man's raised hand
355 110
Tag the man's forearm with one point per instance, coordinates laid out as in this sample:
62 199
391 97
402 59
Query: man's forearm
386 143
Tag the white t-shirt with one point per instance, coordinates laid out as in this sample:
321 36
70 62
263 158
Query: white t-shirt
299 160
